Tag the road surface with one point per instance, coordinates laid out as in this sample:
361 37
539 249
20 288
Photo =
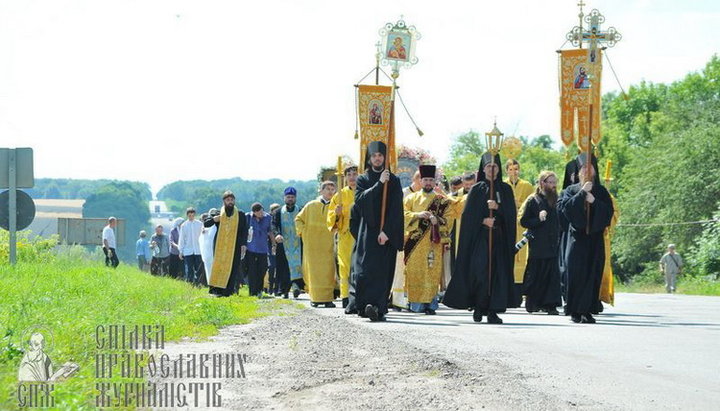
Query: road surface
648 352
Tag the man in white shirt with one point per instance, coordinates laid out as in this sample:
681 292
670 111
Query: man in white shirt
109 244
671 265
189 245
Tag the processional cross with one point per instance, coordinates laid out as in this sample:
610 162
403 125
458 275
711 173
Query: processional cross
593 37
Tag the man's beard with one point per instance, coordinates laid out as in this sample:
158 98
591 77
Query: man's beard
378 169
229 208
427 189
551 196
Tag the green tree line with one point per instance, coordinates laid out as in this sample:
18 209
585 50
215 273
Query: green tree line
663 142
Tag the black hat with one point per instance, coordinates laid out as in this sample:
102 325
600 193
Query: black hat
581 160
427 171
486 159
375 147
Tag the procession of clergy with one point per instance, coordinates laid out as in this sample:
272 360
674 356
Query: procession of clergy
417 247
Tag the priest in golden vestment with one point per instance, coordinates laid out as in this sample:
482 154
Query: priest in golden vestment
607 287
522 189
429 214
318 259
338 220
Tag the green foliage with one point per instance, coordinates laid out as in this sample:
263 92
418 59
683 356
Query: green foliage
537 155
121 200
30 248
204 194
705 254
672 169
70 298
67 188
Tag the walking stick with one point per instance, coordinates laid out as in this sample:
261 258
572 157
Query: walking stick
587 170
391 131
490 235
494 141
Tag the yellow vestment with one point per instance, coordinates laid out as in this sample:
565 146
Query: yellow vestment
521 191
424 262
341 223
318 259
607 288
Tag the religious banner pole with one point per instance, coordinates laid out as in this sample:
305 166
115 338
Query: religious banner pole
580 85
494 142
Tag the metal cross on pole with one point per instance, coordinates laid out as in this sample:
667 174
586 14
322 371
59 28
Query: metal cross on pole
594 37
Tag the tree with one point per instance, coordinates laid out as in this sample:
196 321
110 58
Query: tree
121 200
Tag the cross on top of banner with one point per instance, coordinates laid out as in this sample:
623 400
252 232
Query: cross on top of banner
593 35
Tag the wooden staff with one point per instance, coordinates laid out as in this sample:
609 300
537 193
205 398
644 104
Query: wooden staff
490 236
588 163
391 130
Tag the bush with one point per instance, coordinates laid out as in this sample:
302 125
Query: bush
30 248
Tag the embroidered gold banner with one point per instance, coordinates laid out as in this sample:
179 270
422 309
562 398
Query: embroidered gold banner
374 112
575 97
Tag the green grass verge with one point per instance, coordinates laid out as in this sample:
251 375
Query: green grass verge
685 285
70 298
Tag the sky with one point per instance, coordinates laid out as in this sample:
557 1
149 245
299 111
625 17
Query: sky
166 90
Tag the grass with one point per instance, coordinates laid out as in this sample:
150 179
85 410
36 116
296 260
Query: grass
71 297
685 285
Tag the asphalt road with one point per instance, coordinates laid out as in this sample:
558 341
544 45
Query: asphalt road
648 352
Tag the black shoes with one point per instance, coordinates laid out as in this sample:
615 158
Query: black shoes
553 311
296 293
330 305
345 302
371 312
494 319
429 311
313 305
477 316
575 318
587 319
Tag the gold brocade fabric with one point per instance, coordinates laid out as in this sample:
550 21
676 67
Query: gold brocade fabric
522 190
576 94
374 108
225 249
424 266
607 287
346 198
318 259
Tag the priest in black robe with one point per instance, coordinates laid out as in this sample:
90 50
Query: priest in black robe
541 282
570 178
227 251
376 248
470 285
585 248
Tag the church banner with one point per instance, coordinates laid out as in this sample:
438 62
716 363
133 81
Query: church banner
575 95
374 112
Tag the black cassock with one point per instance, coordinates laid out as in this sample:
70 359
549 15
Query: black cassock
469 282
241 240
373 265
570 178
584 253
541 283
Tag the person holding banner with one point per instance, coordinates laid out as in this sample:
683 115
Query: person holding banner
585 253
379 206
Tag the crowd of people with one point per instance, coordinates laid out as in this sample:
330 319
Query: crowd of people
476 242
